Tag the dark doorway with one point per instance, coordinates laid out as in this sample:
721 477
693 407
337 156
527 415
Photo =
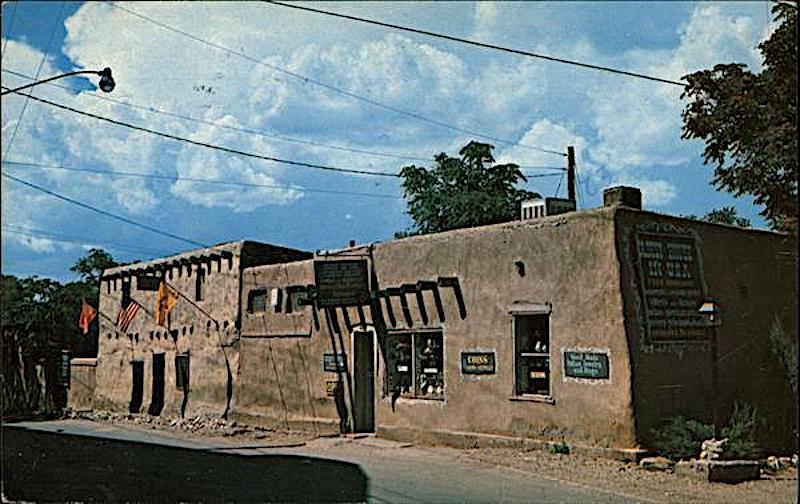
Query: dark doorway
138 386
364 364
157 398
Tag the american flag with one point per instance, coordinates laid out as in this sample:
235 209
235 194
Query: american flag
126 315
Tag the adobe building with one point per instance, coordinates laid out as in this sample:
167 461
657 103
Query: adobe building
583 326
140 369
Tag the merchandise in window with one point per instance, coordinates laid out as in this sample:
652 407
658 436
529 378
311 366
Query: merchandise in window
415 365
532 354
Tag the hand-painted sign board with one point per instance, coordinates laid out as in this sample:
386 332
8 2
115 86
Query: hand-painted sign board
333 362
477 363
341 282
592 365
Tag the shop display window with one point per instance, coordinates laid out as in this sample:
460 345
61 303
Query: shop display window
415 365
532 354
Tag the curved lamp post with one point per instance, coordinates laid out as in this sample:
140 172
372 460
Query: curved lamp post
106 83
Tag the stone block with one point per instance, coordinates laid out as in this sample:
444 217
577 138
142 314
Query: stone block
720 471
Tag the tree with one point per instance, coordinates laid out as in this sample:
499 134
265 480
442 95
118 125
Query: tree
92 265
462 192
749 123
724 215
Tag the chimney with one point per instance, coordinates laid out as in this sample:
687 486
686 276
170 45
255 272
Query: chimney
623 196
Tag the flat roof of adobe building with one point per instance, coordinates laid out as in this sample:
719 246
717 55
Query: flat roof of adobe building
220 250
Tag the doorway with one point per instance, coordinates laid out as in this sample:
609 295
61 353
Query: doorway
364 374
157 397
137 368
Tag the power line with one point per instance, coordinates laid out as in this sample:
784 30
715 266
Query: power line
104 212
234 128
39 69
475 43
50 235
159 176
210 146
305 79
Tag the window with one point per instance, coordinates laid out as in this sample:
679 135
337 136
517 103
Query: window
296 298
126 293
532 354
182 371
415 365
199 280
257 300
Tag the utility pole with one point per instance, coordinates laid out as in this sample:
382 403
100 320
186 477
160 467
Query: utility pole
571 173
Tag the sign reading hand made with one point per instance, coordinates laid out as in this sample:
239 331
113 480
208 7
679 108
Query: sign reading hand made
341 282
593 365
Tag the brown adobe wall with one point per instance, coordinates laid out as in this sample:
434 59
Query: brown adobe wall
570 262
752 275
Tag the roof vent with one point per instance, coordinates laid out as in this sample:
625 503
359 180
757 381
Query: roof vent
624 196
538 207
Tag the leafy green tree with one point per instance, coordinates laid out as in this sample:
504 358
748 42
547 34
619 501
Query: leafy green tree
724 215
462 192
748 122
40 319
92 265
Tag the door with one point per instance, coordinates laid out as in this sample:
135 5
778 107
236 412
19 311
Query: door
137 389
157 397
364 371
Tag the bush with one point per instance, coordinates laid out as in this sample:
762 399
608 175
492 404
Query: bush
680 438
740 431
560 447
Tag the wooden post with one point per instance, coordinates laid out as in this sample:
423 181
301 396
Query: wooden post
571 173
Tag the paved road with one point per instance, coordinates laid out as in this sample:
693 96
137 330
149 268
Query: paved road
91 461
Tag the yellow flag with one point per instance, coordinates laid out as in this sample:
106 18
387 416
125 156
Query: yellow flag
167 297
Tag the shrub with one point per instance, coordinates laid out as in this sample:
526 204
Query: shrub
680 438
560 447
740 431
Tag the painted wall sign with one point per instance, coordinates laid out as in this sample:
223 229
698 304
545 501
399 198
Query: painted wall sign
330 388
593 365
671 285
341 283
333 362
477 363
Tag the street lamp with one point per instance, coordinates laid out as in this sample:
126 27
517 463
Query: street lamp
106 83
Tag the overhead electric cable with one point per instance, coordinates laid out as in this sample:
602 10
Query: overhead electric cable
305 79
54 236
38 70
103 212
256 132
207 145
475 43
159 176
234 128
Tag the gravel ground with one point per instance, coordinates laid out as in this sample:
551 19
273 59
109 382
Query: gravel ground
621 477
654 486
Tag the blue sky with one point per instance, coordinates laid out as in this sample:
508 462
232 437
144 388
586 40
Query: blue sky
624 130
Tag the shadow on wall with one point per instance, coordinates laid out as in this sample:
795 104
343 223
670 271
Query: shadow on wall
44 466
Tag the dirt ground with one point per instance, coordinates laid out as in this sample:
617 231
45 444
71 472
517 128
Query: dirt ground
616 476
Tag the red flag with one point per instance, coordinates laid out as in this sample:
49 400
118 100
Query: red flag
87 315
126 315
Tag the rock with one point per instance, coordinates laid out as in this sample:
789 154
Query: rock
657 464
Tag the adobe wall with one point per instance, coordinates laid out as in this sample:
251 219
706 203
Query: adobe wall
570 263
82 383
190 330
752 276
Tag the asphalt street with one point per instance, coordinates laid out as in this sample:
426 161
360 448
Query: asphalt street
88 461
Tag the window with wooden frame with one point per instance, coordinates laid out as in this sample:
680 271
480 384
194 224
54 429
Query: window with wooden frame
532 354
257 300
415 367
